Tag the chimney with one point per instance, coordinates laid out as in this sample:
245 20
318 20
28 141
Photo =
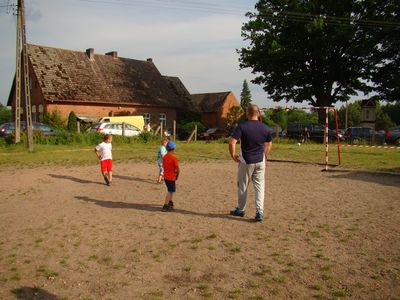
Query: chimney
149 60
90 53
113 54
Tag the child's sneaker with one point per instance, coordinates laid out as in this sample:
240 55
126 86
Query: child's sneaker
166 207
259 217
106 179
237 212
171 205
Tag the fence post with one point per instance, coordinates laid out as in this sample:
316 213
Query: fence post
174 130
123 128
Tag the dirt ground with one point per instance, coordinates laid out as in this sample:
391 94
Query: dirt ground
327 235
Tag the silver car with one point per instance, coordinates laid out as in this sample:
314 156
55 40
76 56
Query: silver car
115 128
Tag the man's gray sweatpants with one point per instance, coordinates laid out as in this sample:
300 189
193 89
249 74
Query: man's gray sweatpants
256 173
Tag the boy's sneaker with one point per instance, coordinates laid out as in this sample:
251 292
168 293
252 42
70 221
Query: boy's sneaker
237 212
171 205
106 179
166 207
259 217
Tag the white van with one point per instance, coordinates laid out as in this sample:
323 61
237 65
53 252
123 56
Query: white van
137 121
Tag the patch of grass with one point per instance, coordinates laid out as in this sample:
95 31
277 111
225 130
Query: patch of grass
235 249
46 272
187 268
234 294
106 259
316 287
132 149
93 257
326 277
211 236
359 285
340 293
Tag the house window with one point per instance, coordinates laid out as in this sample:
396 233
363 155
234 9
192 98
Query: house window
146 117
34 113
163 120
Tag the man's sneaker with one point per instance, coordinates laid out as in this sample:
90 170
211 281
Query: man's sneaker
106 179
166 207
237 212
259 217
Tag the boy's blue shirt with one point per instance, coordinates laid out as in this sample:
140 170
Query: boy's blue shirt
161 152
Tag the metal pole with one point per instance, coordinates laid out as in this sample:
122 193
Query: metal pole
337 135
326 139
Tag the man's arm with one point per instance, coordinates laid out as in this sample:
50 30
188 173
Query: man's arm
232 149
267 148
97 153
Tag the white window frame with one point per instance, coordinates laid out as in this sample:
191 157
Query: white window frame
163 119
146 118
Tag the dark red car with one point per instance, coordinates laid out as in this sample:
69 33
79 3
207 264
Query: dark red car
213 134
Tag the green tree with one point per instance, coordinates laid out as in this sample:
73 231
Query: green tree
54 119
233 116
393 111
72 122
5 114
311 50
386 75
245 96
278 116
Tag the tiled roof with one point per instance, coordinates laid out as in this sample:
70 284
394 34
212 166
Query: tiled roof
71 75
209 102
181 90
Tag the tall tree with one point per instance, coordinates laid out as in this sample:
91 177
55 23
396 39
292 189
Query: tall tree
245 95
311 50
386 75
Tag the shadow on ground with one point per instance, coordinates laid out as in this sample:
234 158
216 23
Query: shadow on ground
75 179
386 179
135 179
29 293
157 208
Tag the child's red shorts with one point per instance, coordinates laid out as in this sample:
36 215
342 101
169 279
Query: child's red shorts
106 165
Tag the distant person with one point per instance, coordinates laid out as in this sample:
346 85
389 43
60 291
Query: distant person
305 136
171 173
255 143
162 150
147 127
103 152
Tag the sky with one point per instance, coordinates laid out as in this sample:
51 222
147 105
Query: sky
195 40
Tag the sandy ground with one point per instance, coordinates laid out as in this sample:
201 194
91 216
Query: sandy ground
327 235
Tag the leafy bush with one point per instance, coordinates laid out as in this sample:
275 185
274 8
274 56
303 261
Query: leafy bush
189 127
54 119
72 122
146 137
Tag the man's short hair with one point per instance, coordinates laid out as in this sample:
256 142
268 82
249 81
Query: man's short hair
107 137
253 110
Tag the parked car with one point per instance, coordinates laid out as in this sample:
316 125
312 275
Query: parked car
9 128
392 136
213 134
295 131
355 135
115 128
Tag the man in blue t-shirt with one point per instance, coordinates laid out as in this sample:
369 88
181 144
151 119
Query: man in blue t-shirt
255 143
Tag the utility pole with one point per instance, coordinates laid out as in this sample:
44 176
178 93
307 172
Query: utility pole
22 81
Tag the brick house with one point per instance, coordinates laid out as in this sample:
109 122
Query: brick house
96 85
214 107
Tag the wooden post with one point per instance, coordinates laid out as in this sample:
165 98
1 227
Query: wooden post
174 130
162 130
123 128
195 133
78 126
